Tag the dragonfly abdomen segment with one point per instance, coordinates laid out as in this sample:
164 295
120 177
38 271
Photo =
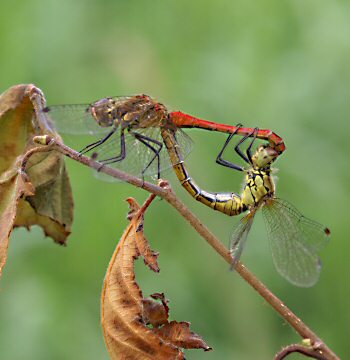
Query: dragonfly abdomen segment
227 203
188 121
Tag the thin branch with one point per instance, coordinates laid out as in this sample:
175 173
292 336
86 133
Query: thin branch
301 349
167 194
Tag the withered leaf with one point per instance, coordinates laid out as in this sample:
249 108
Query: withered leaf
149 256
154 312
125 313
180 335
43 198
10 195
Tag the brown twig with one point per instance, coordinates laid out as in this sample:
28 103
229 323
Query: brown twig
305 332
301 349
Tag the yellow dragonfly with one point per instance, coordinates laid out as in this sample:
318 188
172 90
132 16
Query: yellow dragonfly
295 240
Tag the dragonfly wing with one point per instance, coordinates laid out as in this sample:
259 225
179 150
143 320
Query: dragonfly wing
74 119
239 236
78 119
112 149
140 156
184 141
294 241
165 164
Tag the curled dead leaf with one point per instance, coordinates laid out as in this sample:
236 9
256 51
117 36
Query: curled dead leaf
44 196
180 335
126 314
154 312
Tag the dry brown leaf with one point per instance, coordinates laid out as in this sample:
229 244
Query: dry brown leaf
154 312
180 335
125 313
47 199
10 195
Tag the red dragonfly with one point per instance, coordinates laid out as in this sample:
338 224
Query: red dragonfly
132 129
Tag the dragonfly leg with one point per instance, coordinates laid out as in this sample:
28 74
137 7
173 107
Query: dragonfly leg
249 148
97 143
224 162
238 149
119 157
146 141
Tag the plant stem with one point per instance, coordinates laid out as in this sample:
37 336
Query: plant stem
297 348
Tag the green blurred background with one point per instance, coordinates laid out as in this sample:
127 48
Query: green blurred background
275 64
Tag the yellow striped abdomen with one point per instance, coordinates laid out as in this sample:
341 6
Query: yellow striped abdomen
227 203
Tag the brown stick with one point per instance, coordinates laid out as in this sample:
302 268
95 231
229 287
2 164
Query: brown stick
297 348
167 193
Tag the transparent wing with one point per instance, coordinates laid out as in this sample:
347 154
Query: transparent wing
294 241
138 155
77 119
239 236
74 119
184 141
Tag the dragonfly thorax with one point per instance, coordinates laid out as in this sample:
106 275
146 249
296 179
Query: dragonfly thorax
139 111
150 114
259 184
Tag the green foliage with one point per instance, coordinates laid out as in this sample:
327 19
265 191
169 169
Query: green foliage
282 65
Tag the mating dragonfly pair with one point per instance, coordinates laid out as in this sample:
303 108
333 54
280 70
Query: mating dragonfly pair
140 136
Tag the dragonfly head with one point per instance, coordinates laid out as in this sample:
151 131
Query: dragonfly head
264 156
104 112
